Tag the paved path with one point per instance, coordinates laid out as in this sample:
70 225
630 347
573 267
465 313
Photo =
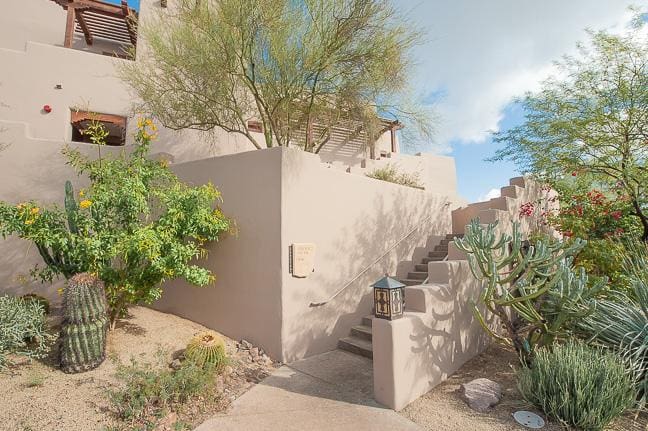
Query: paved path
331 391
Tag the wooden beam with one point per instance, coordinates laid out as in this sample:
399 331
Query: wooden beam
69 27
392 132
84 27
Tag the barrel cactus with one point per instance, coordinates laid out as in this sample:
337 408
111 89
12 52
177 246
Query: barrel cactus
206 349
85 324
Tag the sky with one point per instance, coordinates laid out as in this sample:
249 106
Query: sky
479 55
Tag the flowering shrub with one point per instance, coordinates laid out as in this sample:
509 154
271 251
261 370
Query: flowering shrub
601 218
136 225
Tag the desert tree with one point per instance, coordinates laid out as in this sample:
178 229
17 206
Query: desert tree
300 68
591 121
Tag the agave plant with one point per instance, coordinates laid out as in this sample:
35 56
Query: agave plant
530 286
620 322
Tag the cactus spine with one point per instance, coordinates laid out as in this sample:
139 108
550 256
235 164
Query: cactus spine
85 324
207 349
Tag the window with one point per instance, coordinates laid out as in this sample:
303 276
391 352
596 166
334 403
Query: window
255 126
114 124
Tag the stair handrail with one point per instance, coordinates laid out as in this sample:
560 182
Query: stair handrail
343 288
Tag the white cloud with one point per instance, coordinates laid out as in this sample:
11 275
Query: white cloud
482 54
491 194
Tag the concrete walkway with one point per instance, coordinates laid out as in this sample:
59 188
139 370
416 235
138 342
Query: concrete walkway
331 391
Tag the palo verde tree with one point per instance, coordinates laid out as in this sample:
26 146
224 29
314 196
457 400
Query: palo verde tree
591 122
291 65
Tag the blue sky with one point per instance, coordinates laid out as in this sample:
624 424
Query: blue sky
479 55
132 3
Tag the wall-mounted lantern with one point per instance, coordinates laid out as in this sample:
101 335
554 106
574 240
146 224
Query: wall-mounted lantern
389 298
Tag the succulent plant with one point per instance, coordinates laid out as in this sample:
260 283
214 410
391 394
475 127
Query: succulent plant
44 302
206 349
531 287
85 324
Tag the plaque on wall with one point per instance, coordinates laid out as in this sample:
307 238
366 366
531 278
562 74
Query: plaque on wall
302 259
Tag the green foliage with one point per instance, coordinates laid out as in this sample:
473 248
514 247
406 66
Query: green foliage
85 324
35 379
314 65
207 349
22 329
147 391
578 385
391 174
530 287
135 226
44 302
587 129
620 321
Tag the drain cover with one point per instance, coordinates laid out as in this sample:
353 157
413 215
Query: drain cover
529 419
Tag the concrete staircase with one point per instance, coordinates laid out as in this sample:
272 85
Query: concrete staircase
359 340
420 273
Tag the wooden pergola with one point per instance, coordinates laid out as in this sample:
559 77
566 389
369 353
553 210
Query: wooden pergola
94 18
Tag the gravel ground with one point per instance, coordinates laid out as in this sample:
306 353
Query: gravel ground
443 410
38 396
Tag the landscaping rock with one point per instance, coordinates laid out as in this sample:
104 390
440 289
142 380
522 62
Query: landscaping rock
175 364
244 345
481 394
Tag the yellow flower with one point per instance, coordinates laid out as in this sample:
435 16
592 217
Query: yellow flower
148 122
140 123
82 193
29 222
35 210
164 163
60 290
20 207
85 203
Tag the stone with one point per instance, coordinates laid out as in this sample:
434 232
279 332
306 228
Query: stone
175 364
245 345
481 394
254 352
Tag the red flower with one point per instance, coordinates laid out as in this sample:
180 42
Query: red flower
616 215
574 173
568 233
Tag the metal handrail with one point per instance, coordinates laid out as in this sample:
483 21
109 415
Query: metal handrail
318 304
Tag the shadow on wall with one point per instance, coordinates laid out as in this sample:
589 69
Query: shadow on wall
450 334
363 228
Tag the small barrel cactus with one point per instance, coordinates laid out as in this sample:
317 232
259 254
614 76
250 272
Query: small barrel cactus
85 324
206 349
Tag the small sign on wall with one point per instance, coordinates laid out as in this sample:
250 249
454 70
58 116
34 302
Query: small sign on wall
302 259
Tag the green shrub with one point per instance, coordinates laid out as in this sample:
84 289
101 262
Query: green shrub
578 385
147 391
22 329
136 225
391 174
620 321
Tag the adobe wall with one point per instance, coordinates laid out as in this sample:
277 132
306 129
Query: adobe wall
361 228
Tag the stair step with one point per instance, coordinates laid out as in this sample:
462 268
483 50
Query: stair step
441 248
417 275
438 254
410 281
356 345
361 331
366 320
432 259
454 235
421 267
